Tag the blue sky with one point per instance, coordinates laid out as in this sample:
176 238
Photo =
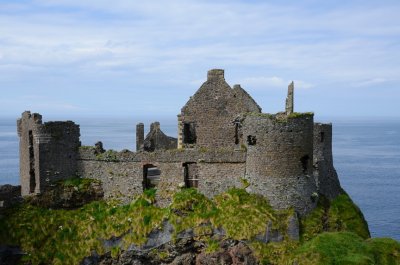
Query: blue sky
70 58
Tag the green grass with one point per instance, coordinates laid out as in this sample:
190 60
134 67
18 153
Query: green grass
348 248
80 183
334 233
300 114
109 156
339 215
212 246
242 215
66 236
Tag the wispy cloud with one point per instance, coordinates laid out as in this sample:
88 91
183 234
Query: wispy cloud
371 82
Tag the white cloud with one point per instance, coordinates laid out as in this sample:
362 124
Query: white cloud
370 82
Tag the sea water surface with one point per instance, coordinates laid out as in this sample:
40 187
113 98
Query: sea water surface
366 157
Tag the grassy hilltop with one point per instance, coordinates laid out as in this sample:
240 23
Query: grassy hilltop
334 233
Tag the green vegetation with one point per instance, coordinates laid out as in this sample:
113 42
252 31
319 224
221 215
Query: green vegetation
109 156
281 116
335 233
87 147
242 215
339 215
348 248
79 183
212 246
66 236
299 114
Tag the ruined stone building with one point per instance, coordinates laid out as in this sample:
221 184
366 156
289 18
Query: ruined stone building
224 140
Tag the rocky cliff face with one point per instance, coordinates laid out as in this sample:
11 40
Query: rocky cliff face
183 252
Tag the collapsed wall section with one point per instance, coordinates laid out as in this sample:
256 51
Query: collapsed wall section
325 174
279 159
48 152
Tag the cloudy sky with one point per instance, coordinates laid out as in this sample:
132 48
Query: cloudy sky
70 58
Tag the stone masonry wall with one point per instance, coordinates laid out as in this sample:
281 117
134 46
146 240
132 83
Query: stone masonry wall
279 159
213 109
326 177
48 152
215 178
122 172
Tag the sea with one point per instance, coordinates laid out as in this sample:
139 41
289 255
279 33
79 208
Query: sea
366 156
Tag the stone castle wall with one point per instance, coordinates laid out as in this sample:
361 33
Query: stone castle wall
122 172
222 140
279 160
48 152
212 110
326 177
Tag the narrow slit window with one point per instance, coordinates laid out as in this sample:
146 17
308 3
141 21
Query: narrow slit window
236 133
322 137
32 177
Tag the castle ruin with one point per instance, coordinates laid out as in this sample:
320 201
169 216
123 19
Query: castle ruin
224 140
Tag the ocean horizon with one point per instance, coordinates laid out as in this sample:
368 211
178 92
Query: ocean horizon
366 156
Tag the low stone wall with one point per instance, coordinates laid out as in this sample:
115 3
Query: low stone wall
122 173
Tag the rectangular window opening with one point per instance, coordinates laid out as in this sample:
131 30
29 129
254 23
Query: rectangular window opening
151 176
189 133
191 175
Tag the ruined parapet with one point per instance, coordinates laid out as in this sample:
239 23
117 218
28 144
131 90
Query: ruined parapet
289 99
157 139
279 159
48 152
325 174
139 136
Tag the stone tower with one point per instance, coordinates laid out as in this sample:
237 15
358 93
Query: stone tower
139 136
279 160
48 152
289 99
